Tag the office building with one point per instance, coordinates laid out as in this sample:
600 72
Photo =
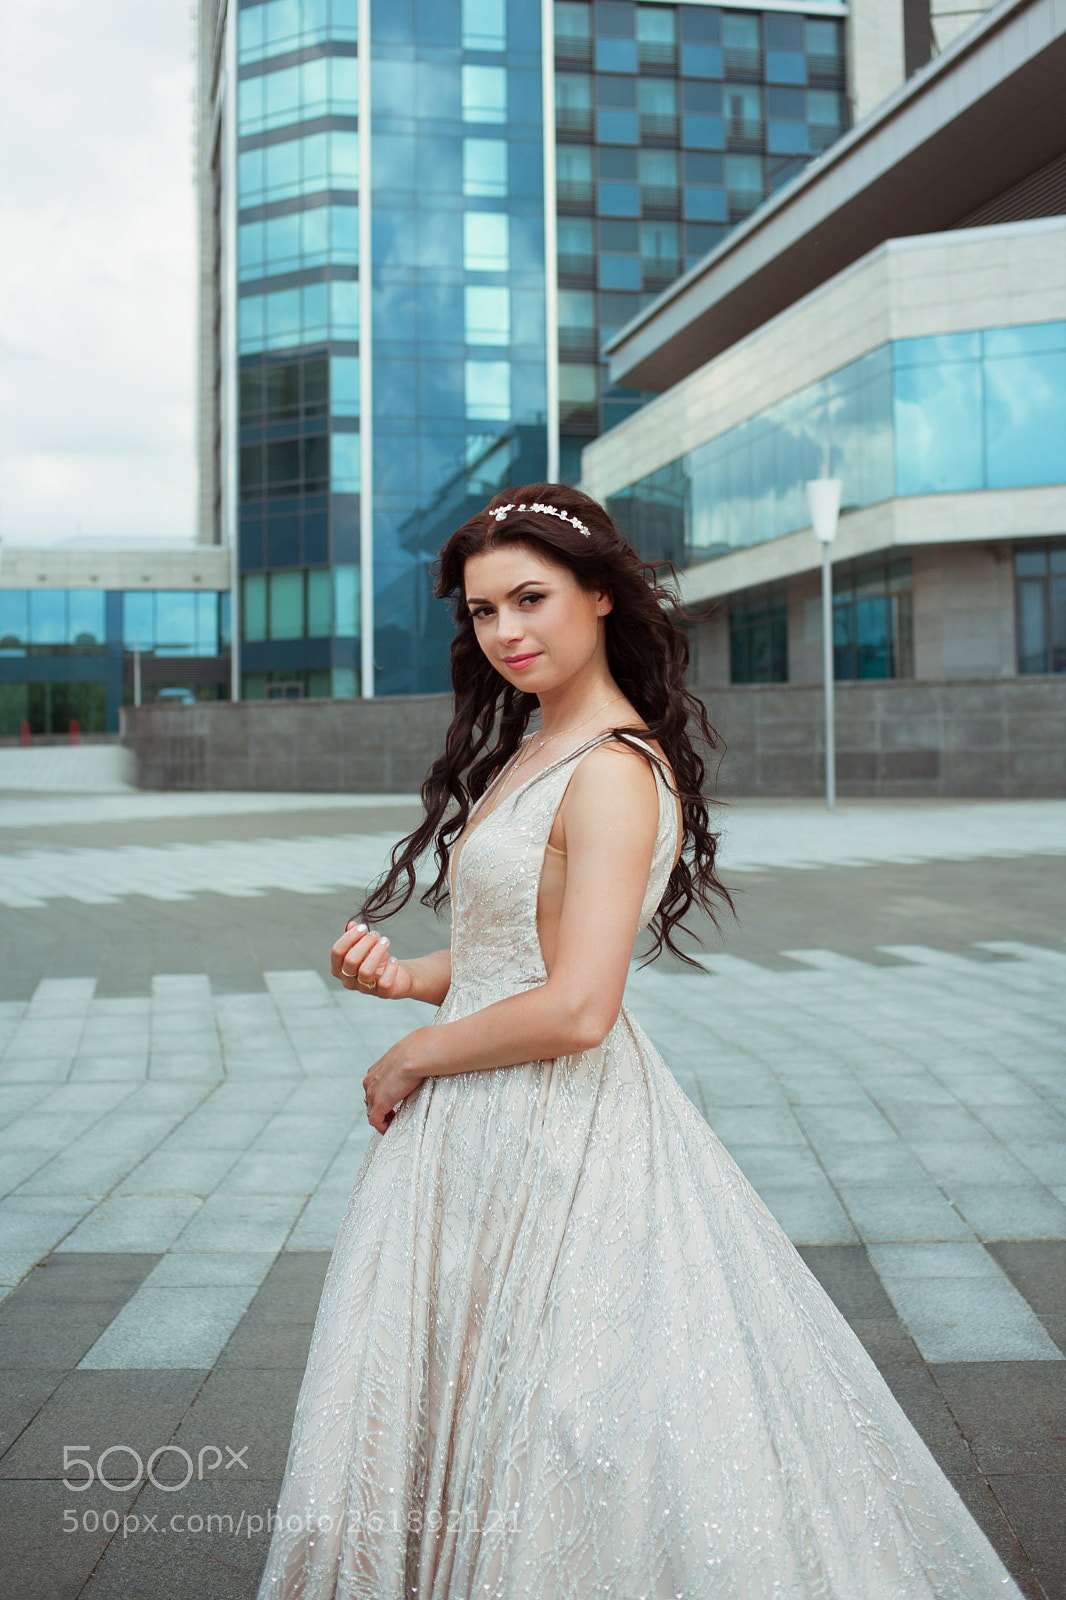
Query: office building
895 318
84 631
370 375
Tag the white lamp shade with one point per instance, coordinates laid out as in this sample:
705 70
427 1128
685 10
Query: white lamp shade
823 497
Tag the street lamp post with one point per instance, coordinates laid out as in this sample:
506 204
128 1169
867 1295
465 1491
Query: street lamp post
823 497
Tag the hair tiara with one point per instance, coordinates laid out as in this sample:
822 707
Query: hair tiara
549 511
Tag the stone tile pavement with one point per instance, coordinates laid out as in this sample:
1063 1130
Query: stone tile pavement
180 1138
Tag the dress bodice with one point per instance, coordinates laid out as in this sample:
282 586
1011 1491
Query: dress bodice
495 948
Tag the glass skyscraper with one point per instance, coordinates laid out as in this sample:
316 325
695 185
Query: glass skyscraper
372 373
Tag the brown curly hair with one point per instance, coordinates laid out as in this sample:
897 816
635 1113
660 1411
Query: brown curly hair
647 654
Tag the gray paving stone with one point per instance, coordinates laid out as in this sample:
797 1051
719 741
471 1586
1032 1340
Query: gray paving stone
1010 1211
887 1211
809 1212
175 1326
136 1223
258 1222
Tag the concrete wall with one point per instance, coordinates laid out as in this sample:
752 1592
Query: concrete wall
379 746
903 738
964 739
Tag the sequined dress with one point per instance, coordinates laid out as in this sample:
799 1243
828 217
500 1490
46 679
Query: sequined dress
563 1350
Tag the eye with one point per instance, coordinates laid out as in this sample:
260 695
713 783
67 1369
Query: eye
481 611
533 597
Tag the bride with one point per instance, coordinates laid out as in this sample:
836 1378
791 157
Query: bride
563 1351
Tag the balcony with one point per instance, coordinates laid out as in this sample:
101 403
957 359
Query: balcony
657 53
744 133
579 194
742 202
579 270
741 63
578 342
573 49
822 134
659 271
659 199
576 121
825 69
658 125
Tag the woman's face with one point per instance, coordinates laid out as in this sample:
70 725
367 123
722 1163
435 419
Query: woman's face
532 618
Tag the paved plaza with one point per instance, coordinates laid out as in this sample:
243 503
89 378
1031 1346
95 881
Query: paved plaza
878 1041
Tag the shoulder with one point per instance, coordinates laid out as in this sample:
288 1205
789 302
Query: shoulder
613 782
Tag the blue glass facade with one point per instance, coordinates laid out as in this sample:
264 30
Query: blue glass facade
965 411
671 123
67 654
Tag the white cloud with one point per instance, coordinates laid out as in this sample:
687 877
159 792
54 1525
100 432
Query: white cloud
97 271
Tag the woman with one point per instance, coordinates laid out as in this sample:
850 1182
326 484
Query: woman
563 1350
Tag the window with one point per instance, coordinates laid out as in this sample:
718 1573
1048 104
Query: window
743 110
346 602
577 249
577 321
579 390
282 25
659 177
327 85
573 174
1040 601
484 25
573 33
14 621
873 629
743 46
657 103
660 251
344 386
488 314
301 240
485 168
484 94
656 36
573 103
488 390
758 635
345 463
486 242
825 116
744 185
296 167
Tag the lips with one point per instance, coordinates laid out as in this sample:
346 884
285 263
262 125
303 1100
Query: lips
517 662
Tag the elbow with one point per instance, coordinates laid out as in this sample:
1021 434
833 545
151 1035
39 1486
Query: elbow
588 1026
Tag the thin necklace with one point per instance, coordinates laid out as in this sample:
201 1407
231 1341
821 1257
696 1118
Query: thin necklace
576 729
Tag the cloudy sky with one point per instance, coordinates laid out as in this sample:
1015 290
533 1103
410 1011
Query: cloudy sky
97 270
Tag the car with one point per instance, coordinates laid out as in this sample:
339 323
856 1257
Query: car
175 697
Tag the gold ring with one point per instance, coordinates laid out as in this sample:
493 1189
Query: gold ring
371 985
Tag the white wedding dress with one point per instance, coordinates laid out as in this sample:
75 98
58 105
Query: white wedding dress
564 1352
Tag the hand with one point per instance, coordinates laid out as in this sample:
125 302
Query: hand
392 1079
361 960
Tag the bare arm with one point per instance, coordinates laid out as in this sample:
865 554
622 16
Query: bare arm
610 816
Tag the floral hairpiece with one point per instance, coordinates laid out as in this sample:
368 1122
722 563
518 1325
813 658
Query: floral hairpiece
549 511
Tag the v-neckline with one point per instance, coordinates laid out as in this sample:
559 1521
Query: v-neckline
606 733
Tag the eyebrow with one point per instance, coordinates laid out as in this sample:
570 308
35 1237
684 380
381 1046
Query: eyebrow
527 583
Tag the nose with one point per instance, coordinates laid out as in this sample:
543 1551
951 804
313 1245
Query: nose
510 625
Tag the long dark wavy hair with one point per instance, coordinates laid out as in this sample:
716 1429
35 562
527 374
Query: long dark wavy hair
647 653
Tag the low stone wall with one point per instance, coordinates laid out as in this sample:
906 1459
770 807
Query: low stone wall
1003 737
331 746
969 739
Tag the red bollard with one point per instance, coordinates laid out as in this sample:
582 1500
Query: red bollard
75 731
24 734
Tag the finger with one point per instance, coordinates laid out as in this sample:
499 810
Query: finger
357 954
348 939
373 962
388 973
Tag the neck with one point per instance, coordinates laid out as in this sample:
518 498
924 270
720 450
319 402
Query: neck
570 704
